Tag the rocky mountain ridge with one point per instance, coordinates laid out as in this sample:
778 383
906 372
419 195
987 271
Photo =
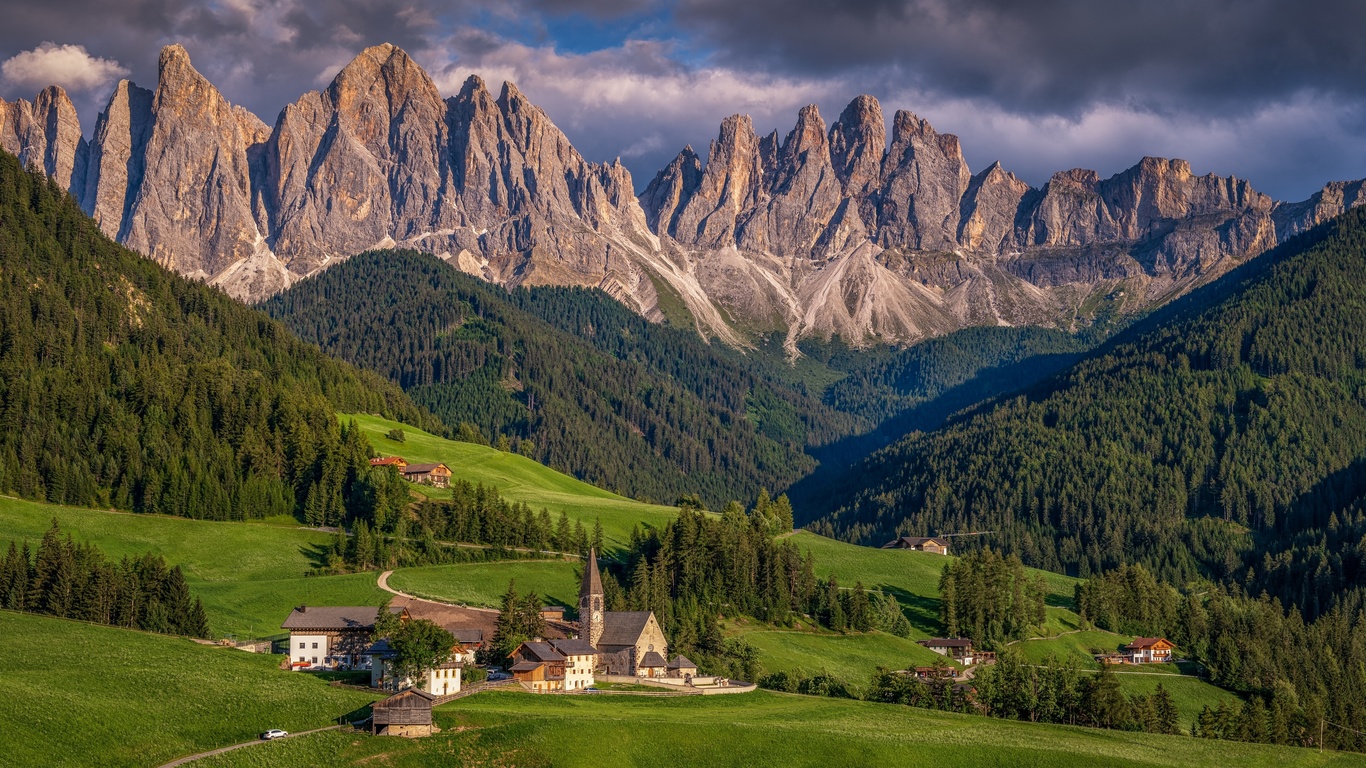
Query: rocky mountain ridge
828 230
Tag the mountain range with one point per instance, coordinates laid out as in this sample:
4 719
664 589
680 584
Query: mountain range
834 230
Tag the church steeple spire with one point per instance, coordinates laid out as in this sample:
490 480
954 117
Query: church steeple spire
591 601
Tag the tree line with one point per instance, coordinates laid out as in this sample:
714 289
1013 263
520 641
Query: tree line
990 598
125 385
72 580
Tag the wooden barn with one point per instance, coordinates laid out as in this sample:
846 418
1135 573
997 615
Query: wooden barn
408 713
919 544
437 475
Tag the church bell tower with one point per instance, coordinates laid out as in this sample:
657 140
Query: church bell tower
590 602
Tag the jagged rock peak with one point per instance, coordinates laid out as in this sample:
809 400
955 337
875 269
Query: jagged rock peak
857 142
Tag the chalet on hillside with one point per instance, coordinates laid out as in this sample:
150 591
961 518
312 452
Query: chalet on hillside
436 475
332 636
408 713
1149 650
397 462
959 649
919 544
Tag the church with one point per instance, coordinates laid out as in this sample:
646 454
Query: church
628 642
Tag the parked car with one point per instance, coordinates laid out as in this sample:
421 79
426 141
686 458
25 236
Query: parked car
274 733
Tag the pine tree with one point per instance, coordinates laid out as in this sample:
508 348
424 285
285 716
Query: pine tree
1168 718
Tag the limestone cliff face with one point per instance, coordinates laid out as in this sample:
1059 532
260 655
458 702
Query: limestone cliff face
46 134
839 230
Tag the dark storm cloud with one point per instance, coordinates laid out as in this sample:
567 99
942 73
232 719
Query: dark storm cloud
1057 56
1269 90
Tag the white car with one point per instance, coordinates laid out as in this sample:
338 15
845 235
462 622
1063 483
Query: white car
274 733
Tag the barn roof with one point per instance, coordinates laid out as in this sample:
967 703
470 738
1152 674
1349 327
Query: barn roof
623 628
422 469
338 617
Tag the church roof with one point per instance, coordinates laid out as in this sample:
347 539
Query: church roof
623 627
651 659
681 662
592 582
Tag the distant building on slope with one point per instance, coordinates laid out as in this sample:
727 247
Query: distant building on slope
919 544
397 462
959 649
436 475
1149 650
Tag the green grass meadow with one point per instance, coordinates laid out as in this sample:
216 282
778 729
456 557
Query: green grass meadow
483 584
757 729
84 695
517 478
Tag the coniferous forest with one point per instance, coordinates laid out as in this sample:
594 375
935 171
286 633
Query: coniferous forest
124 385
70 580
582 383
1219 437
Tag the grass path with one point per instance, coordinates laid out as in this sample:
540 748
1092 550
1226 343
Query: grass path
254 742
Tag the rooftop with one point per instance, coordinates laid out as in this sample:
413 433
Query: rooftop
335 617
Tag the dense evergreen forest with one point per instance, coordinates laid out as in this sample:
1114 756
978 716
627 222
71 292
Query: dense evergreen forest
124 385
581 383
1304 681
77 581
1220 437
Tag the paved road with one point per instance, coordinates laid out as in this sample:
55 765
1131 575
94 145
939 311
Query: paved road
221 750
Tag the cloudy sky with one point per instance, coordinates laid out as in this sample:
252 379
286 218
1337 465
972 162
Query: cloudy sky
1269 90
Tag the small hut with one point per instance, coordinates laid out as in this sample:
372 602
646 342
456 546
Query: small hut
408 713
681 667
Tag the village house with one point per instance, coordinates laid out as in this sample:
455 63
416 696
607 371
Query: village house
959 649
331 636
443 680
552 612
554 665
397 462
1149 650
408 713
436 475
919 544
629 642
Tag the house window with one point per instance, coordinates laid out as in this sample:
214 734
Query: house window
301 646
315 645
315 659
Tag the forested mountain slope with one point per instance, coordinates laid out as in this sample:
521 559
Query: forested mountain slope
125 385
1222 436
578 381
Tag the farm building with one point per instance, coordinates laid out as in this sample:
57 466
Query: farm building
959 649
919 544
552 612
331 636
437 475
408 713
1149 650
397 462
556 665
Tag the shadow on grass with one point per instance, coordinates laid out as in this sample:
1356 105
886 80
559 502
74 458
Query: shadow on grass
921 611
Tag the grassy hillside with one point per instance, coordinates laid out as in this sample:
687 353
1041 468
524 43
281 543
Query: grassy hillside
851 657
249 574
517 478
96 695
483 584
759 729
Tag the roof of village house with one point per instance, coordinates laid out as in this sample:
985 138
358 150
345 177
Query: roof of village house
385 461
381 649
623 628
592 582
414 698
422 469
946 642
574 647
539 651
338 617
467 635
911 541
1141 643
453 664
526 666
652 659
552 609
681 662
